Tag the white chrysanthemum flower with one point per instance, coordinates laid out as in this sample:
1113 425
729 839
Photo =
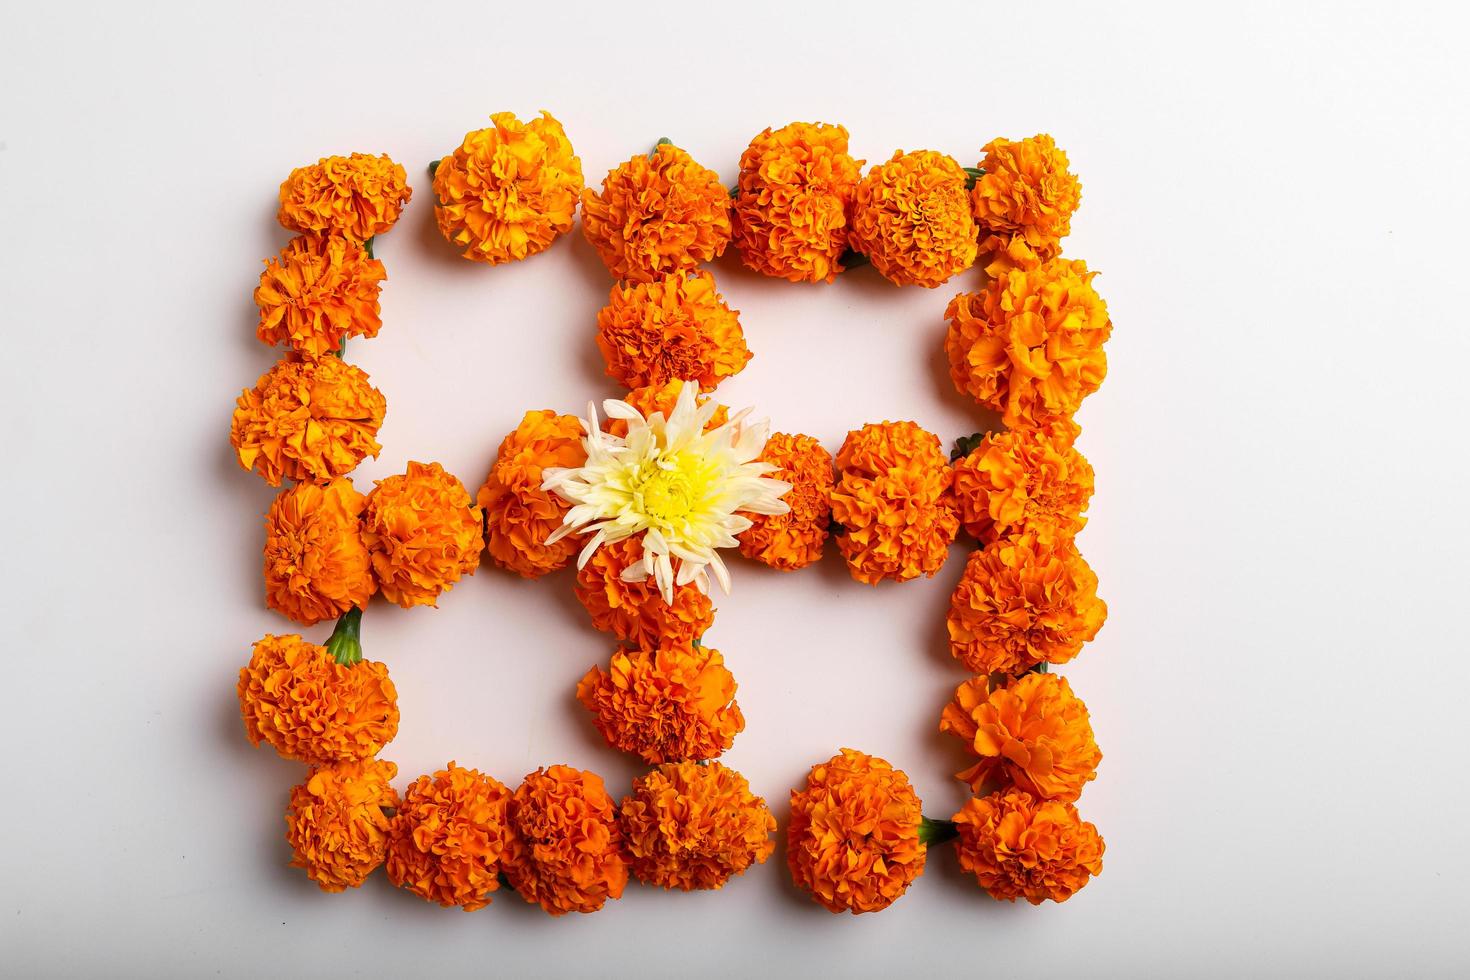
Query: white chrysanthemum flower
682 488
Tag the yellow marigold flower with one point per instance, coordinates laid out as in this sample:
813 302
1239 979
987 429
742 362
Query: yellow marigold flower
1025 200
508 191
1023 480
335 822
674 328
519 514
911 218
667 704
635 612
318 292
308 707
658 215
358 196
316 565
1024 601
307 421
691 826
1031 732
893 502
450 838
423 532
793 199
1020 847
568 851
853 838
794 539
1030 345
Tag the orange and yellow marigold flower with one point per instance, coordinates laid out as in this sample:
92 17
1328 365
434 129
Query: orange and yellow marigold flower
911 218
1031 732
666 704
307 420
692 826
318 292
336 822
659 214
794 539
1030 479
893 502
450 838
1019 847
676 328
1023 202
316 565
568 849
508 190
358 196
519 514
423 532
634 611
793 200
306 706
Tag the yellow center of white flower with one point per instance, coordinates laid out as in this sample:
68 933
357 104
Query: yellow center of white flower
669 493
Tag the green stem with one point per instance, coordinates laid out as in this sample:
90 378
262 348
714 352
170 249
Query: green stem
965 445
433 166
368 247
345 643
972 176
933 832
662 141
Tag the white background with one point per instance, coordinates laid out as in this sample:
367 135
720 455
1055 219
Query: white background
1276 198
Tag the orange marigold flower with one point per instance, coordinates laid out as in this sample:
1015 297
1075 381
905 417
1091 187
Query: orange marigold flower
307 421
1024 601
635 612
424 532
318 292
1032 732
667 704
661 398
911 218
792 202
1020 847
316 565
894 503
1023 480
335 822
691 826
508 191
1030 345
673 329
794 539
519 514
568 851
358 196
659 214
1025 200
853 838
450 838
308 707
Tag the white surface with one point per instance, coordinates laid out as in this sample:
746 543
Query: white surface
1277 202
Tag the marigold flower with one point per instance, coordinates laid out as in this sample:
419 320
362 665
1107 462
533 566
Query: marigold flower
853 838
450 838
667 704
509 190
691 826
316 566
318 292
671 329
792 202
1032 732
1024 601
659 214
519 513
794 539
1019 847
335 822
307 421
1023 480
634 611
911 218
661 399
894 503
1025 200
424 532
568 850
1030 345
308 707
359 196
